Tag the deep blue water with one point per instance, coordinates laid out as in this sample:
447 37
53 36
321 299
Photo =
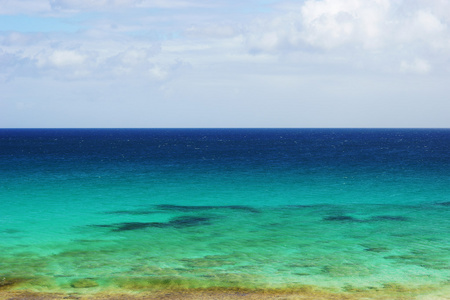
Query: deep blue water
232 207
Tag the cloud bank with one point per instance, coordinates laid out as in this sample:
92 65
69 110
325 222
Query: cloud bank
231 61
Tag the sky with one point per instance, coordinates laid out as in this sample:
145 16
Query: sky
224 63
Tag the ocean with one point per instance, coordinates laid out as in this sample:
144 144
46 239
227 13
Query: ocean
348 211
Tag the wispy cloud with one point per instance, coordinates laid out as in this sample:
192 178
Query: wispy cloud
232 51
29 7
48 7
363 33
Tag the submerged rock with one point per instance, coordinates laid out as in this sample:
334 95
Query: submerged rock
341 219
131 212
132 226
178 222
377 249
157 282
186 208
394 287
388 218
83 283
7 283
346 270
205 263
353 289
189 221
401 257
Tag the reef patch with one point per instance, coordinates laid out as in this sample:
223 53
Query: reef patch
377 249
189 221
388 218
341 219
84 283
350 219
178 222
131 212
9 283
186 208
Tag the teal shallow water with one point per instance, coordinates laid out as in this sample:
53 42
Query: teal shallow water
251 219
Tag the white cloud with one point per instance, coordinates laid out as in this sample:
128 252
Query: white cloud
429 22
11 7
324 24
426 28
59 63
77 5
18 39
418 66
129 62
376 33
212 31
88 61
56 7
105 5
331 23
316 62
63 58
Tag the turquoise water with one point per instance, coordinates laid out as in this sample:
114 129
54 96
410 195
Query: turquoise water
132 210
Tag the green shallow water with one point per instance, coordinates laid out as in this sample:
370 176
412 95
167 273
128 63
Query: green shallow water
170 246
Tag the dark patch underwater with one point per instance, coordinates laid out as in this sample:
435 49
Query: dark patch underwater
178 222
350 219
186 208
131 212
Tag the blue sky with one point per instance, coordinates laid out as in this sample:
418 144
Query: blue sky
192 63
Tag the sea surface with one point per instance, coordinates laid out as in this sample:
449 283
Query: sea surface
342 210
